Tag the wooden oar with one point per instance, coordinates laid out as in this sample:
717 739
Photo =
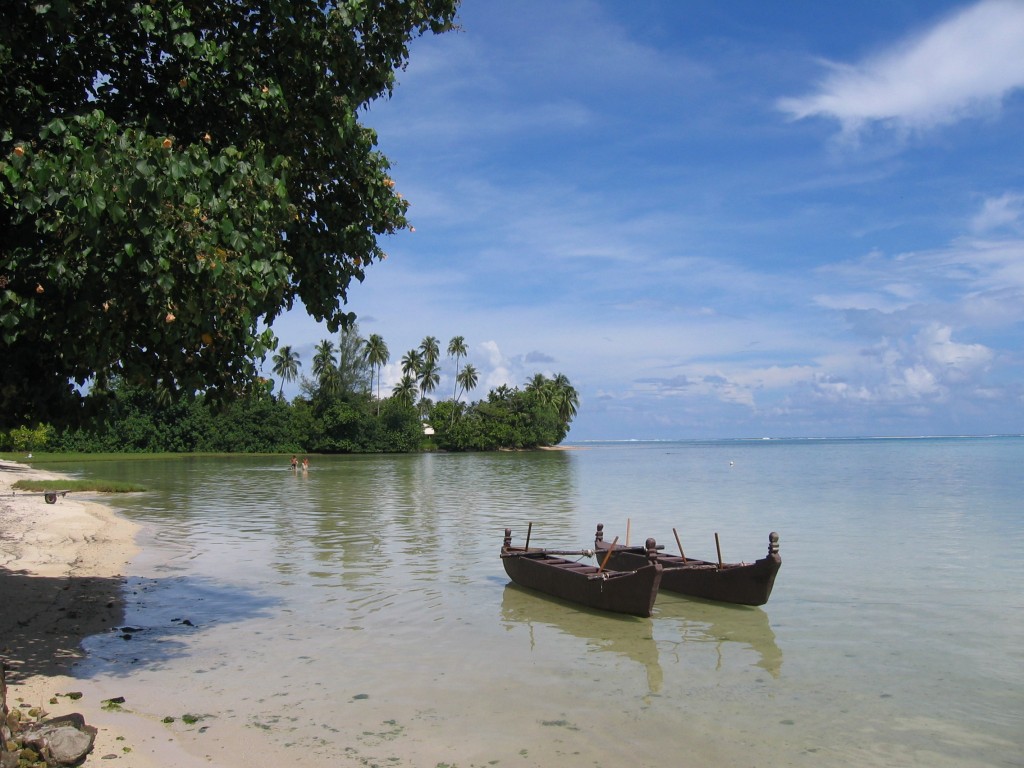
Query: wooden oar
680 545
719 548
610 550
627 531
529 530
580 552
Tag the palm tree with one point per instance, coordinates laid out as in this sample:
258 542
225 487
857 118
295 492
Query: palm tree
377 355
323 360
286 365
405 390
566 400
430 350
456 349
163 394
411 362
541 385
468 378
430 377
325 368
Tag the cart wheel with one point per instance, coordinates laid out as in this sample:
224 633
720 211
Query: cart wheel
51 498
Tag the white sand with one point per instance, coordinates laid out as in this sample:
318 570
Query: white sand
61 569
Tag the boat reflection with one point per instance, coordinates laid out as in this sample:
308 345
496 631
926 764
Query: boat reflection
627 636
700 621
676 622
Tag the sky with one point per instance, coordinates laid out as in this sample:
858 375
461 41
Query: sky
718 220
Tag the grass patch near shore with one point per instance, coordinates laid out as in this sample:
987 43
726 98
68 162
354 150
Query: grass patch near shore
89 486
46 459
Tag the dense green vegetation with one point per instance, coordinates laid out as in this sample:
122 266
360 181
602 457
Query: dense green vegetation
338 411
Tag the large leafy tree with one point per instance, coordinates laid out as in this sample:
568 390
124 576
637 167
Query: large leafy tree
354 370
174 175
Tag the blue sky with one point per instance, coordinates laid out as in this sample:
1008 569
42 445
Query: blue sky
736 219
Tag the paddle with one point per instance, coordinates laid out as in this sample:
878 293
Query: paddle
680 545
580 552
719 548
610 550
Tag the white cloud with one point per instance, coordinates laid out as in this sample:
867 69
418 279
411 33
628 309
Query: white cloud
999 212
500 367
963 66
953 360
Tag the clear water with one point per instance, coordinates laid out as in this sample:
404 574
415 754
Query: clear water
360 613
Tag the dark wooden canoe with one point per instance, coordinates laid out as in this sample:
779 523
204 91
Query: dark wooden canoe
741 583
631 590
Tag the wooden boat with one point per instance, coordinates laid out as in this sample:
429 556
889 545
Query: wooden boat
741 583
631 590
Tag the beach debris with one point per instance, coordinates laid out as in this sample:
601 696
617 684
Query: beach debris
59 741
64 740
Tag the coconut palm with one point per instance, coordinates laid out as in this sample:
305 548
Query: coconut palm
456 349
163 394
430 350
566 399
429 378
468 378
377 355
541 386
405 390
286 365
323 360
411 362
325 367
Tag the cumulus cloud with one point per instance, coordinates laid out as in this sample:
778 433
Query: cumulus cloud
954 360
925 366
999 212
499 366
963 66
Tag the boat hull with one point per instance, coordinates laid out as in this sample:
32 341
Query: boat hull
739 583
631 591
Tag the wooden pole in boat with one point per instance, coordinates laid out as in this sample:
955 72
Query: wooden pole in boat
610 550
529 530
627 531
719 548
680 545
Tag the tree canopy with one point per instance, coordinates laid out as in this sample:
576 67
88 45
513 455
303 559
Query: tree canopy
174 175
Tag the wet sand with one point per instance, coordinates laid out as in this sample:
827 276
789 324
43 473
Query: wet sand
62 571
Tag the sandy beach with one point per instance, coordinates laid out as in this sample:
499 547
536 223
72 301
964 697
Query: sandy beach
61 579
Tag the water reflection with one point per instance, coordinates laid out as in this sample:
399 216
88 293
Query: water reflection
662 639
385 570
625 636
698 621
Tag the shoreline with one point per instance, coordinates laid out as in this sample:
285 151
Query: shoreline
62 574
64 568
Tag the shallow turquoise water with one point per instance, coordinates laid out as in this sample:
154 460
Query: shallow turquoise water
360 611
